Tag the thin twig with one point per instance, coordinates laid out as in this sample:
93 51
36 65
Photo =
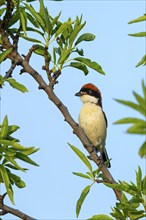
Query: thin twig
10 71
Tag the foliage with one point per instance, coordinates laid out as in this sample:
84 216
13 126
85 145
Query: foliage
10 152
126 208
61 38
140 34
138 125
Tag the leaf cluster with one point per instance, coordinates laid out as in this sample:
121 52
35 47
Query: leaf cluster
140 34
138 125
131 208
60 37
12 151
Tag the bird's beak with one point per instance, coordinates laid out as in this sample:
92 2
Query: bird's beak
78 94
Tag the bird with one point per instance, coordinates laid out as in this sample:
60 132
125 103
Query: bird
92 119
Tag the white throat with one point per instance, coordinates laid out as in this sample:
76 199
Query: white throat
89 98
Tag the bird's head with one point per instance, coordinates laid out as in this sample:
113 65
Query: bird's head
90 93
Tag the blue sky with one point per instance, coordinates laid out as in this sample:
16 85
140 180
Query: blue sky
52 190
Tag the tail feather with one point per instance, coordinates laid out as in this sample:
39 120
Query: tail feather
106 158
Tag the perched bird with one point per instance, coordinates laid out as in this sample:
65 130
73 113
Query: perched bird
92 118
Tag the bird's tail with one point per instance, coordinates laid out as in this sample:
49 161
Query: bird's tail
105 157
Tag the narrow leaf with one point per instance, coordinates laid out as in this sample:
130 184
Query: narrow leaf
139 19
138 128
32 20
142 150
4 128
80 66
30 39
35 14
144 89
85 37
23 19
142 61
140 34
6 181
82 175
62 27
12 129
82 198
129 121
132 105
25 158
140 100
16 85
2 11
11 160
81 156
4 54
90 63
139 178
144 185
15 17
75 32
100 217
15 145
64 55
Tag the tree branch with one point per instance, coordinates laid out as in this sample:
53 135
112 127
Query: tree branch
6 209
48 89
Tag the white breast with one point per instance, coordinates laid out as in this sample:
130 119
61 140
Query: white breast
92 120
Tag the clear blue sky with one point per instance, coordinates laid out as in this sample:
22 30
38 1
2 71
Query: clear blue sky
52 190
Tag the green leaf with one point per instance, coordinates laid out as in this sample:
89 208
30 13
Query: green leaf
75 32
11 160
90 64
136 214
80 66
140 34
4 54
23 19
81 156
129 121
32 20
16 85
17 180
144 89
142 61
6 181
63 27
36 15
138 128
85 37
15 145
25 158
139 178
100 217
30 39
35 30
5 128
82 198
132 105
64 55
54 21
144 185
15 17
139 19
12 129
2 11
140 100
82 175
1 81
142 150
